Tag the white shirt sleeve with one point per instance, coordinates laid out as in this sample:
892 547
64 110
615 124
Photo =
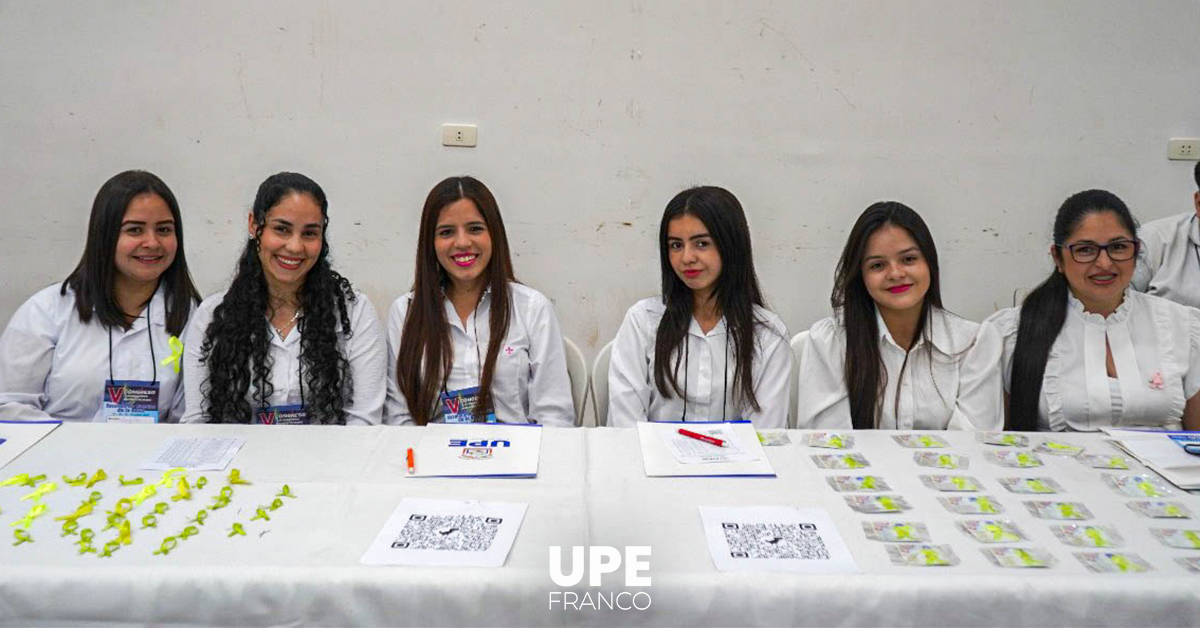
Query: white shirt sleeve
629 379
26 356
979 404
822 401
1191 377
772 374
396 410
366 351
1154 242
195 373
550 400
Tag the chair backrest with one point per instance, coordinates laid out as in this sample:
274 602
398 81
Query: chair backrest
600 384
1019 296
577 372
798 343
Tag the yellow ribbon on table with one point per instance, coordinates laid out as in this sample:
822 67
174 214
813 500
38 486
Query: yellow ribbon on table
145 493
1025 460
33 513
21 536
23 479
932 557
276 504
1096 536
78 480
1145 487
998 533
986 505
125 533
945 461
200 517
1121 562
98 476
850 462
1009 439
168 544
176 346
114 519
927 441
287 490
960 483
182 490
85 537
888 504
903 531
261 513
235 477
124 505
149 521
83 510
1060 446
219 502
237 529
95 497
1193 537
69 527
1117 462
109 548
1038 486
1067 510
868 482
201 482
188 531
1174 511
168 476
836 441
1027 558
227 492
125 482
161 508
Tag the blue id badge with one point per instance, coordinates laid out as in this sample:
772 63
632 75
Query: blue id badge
282 415
130 401
458 406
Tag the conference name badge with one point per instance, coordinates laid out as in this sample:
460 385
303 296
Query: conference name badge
458 406
130 401
295 414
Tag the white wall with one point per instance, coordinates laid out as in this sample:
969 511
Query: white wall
983 116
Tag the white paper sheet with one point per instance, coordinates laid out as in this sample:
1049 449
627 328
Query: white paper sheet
445 533
194 454
1157 451
17 436
660 460
478 450
775 538
687 450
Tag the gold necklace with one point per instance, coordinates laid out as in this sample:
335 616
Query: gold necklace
287 325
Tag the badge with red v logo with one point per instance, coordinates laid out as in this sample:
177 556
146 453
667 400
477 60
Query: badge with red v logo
267 418
453 404
115 393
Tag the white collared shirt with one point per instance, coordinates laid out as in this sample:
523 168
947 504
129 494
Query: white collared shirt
1169 263
941 386
1156 350
364 350
54 366
708 377
530 382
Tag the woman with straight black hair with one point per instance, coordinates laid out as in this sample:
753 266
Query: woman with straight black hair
470 344
103 345
891 357
290 341
707 349
1082 351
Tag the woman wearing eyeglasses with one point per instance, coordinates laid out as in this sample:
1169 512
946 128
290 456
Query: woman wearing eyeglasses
1083 352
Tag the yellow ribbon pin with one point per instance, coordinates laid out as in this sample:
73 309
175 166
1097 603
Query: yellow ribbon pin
237 529
168 476
78 480
287 490
201 482
200 517
219 502
182 490
161 508
85 537
21 536
98 476
149 521
36 495
176 347
114 520
95 497
85 509
69 527
125 533
168 544
903 531
188 531
261 513
147 492
1096 536
33 513
235 477
23 479
276 504
125 482
109 548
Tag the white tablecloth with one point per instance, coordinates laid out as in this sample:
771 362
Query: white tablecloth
301 567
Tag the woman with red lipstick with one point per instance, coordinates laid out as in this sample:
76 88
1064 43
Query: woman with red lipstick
891 357
707 349
290 341
1083 352
470 344
98 347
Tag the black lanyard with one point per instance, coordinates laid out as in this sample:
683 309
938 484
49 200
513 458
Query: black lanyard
149 337
724 389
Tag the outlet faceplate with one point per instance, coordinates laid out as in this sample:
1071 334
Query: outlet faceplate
1185 148
459 135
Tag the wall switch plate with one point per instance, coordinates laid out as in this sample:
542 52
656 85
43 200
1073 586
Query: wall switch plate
1185 148
459 135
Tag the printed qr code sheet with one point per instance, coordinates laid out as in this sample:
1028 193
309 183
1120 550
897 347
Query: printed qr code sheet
775 540
454 533
447 533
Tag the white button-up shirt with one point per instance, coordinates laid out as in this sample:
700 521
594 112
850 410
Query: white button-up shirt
54 366
708 378
364 350
1169 263
1156 350
942 387
529 382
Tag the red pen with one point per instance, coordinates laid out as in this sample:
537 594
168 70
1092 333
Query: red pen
412 467
708 439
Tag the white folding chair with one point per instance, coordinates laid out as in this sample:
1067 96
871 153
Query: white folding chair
600 384
798 343
577 372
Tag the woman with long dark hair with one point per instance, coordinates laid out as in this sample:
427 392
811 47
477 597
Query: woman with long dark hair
891 357
470 344
290 341
103 345
707 349
1082 351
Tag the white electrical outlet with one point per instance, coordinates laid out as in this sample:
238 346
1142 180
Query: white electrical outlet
1185 148
459 135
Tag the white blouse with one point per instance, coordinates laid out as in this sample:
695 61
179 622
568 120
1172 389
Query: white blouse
941 386
1156 350
708 377
530 382
364 350
1169 263
54 366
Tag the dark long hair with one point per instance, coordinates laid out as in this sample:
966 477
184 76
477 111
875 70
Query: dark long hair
237 341
736 291
1045 308
94 277
426 352
864 374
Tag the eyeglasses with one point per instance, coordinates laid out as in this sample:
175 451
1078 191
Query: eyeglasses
1118 251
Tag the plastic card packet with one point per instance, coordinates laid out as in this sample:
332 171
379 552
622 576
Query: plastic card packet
1137 485
920 441
1160 509
940 461
951 483
1190 563
1182 539
840 461
922 555
774 438
1113 562
1031 486
1055 448
896 531
1015 459
858 483
875 504
1059 510
1088 536
829 440
1104 461
992 530
1019 557
972 505
1002 439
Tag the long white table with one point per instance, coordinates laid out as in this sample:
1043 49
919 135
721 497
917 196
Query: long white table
302 568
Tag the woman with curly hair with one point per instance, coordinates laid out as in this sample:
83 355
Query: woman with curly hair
291 341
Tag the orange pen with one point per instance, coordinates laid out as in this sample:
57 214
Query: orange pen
412 467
